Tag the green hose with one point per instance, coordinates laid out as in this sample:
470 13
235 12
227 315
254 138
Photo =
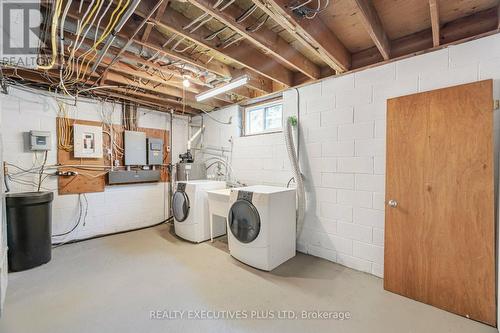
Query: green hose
293 121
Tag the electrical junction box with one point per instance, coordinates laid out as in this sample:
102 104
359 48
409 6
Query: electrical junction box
155 151
135 148
39 140
87 141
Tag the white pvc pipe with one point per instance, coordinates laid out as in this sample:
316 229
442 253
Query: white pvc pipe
190 141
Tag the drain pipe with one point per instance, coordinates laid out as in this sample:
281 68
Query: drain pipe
173 174
292 122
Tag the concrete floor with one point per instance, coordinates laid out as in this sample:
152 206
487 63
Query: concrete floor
112 284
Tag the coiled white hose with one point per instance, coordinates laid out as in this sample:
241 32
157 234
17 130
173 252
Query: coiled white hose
294 161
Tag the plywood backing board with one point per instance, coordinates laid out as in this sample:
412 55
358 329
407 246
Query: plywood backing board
87 180
90 180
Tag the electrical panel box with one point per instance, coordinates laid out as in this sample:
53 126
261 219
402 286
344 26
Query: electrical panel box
87 141
135 148
155 151
39 140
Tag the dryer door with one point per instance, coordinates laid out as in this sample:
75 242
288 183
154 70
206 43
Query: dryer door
180 206
244 221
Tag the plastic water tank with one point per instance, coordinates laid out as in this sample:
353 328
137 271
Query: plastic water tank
29 224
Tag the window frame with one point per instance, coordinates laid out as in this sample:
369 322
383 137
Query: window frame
263 106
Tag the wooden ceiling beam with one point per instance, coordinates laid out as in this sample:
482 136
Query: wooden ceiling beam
313 32
264 38
121 78
157 83
175 78
434 9
147 102
257 82
157 102
158 15
373 25
242 54
157 99
482 22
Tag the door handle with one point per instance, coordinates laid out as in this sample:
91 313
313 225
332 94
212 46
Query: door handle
392 203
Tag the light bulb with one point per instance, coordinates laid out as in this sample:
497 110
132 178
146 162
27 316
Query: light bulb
186 83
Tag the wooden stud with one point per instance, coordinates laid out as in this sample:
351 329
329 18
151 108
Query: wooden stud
434 8
373 25
159 13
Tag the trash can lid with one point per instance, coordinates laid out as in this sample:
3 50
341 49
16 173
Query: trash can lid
28 198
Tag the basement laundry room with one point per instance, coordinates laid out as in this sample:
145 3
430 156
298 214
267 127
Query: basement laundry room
249 166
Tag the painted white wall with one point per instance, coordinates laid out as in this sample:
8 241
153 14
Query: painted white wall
342 146
118 208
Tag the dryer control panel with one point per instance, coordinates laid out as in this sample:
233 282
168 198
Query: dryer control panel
245 195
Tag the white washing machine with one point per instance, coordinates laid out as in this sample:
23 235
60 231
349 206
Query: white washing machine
262 225
190 210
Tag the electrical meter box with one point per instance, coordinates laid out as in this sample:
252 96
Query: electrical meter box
135 148
39 140
87 141
155 151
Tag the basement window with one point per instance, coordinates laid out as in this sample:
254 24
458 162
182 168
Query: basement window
264 118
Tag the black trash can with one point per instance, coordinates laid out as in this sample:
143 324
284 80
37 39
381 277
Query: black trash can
29 224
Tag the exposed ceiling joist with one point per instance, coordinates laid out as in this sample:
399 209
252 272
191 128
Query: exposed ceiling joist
256 81
157 99
434 9
161 103
243 54
131 38
462 28
264 38
313 32
158 15
373 25
148 100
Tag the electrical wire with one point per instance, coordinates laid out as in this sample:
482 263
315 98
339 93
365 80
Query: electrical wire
80 213
53 42
41 171
170 218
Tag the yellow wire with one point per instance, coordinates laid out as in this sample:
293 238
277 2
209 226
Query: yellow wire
55 19
105 34
92 13
69 72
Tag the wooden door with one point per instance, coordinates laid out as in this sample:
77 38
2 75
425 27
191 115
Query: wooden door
439 237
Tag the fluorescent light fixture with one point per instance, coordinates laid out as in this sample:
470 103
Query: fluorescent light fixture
241 81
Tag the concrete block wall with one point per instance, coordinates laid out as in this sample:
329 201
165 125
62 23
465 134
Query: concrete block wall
118 207
342 146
